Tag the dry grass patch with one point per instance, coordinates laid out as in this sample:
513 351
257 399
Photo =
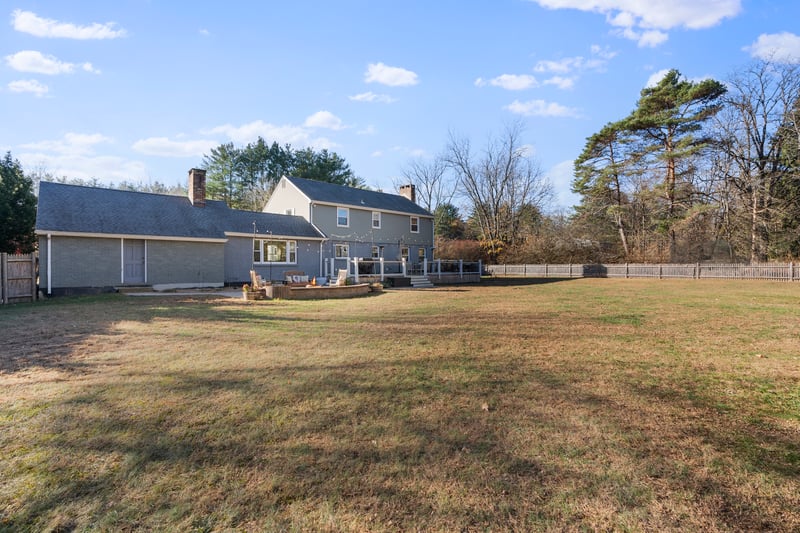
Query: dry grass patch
585 404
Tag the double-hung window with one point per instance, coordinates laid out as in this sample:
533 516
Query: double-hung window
342 217
271 251
414 224
342 251
376 220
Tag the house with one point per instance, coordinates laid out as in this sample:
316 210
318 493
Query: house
358 222
94 239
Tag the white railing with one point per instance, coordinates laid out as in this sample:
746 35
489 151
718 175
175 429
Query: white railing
437 269
765 271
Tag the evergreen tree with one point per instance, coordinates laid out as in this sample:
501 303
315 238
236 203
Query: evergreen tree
669 121
17 208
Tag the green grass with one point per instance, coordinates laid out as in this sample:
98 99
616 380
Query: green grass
633 405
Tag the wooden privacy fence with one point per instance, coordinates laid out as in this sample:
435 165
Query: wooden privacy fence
767 271
17 278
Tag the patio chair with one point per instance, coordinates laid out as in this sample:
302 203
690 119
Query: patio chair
341 279
256 281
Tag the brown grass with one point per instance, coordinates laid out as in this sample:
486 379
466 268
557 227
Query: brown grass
575 405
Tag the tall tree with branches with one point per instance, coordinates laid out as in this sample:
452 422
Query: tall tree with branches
755 133
501 183
17 208
669 121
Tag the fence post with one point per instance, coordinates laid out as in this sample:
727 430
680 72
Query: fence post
4 277
34 294
355 265
660 271
381 261
570 270
626 271
460 268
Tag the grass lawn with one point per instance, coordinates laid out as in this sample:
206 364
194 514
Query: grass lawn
638 405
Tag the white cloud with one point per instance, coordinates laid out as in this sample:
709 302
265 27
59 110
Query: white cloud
72 143
33 61
372 97
369 130
645 39
294 135
656 77
540 108
781 47
561 82
324 119
74 156
86 167
376 153
164 147
561 176
641 20
392 76
510 82
31 23
28 86
204 32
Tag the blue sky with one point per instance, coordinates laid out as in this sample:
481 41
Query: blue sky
139 90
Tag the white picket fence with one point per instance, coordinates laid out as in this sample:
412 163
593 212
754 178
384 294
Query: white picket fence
766 271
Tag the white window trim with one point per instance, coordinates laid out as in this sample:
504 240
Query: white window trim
338 246
411 224
347 210
378 219
291 248
406 255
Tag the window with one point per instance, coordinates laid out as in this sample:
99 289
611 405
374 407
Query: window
376 220
404 253
342 251
421 254
375 252
414 224
265 251
342 217
289 211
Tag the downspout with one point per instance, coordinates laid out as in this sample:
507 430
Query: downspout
49 265
122 261
145 262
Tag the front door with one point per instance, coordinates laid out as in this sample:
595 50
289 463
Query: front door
134 261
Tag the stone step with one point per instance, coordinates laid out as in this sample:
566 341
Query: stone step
420 282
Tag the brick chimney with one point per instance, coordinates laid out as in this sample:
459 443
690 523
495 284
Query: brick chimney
409 191
197 187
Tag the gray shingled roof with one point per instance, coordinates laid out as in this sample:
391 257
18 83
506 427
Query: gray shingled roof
77 209
320 191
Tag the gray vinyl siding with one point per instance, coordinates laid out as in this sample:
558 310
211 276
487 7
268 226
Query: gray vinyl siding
286 196
239 261
81 262
179 262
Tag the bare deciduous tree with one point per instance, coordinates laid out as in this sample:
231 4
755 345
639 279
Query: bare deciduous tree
759 103
500 184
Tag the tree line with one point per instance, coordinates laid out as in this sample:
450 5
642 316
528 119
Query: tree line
244 177
698 171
